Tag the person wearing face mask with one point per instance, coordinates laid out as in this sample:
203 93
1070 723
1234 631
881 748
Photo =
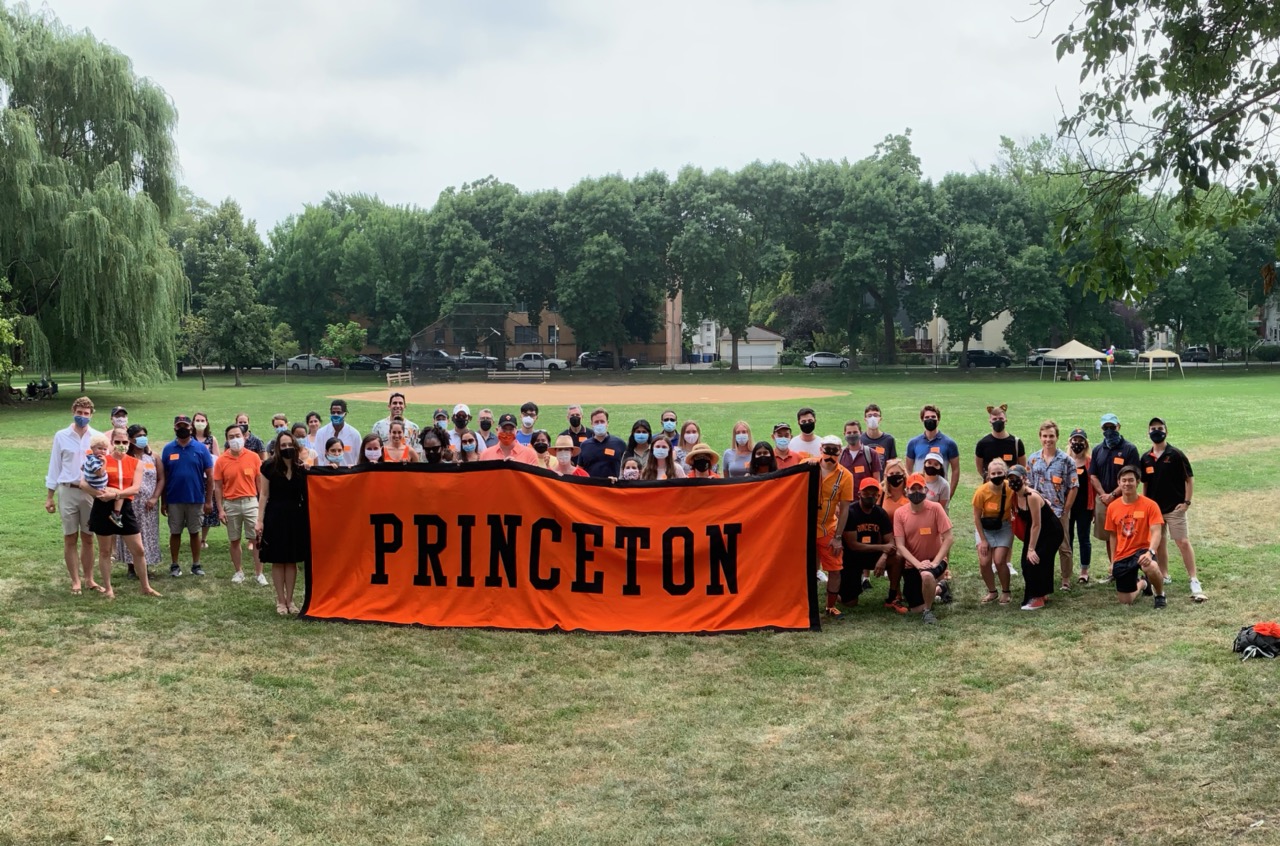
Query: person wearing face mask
895 486
120 417
1137 525
782 448
440 420
859 458
469 447
807 442
1052 473
932 440
396 410
1167 480
663 464
999 443
146 505
95 476
630 471
835 494
881 442
488 437
540 441
702 460
281 528
638 443
334 453
1104 476
736 460
337 428
1079 526
397 449
235 490
579 432
313 442
112 513
690 437
1041 537
433 448
868 546
565 451
510 449
937 487
187 493
993 524
203 434
922 533
461 419
763 459
307 455
279 423
528 416
251 441
370 450
601 454
670 424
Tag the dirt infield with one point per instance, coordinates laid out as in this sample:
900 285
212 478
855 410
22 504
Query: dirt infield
509 395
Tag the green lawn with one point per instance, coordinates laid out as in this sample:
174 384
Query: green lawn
205 718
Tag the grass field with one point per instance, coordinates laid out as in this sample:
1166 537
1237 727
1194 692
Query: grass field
205 718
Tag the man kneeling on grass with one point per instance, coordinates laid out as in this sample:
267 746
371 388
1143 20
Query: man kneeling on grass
1136 525
922 532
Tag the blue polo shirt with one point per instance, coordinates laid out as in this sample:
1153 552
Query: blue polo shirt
602 459
184 471
920 446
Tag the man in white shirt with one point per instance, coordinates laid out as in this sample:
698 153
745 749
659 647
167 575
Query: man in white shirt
66 462
396 407
338 428
461 419
807 442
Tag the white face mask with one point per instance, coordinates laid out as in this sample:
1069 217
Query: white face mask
200 425
120 422
631 474
661 452
527 421
691 438
373 454
235 444
741 438
873 422
564 456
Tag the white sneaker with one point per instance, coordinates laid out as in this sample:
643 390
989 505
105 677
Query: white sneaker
1197 595
822 576
238 577
262 580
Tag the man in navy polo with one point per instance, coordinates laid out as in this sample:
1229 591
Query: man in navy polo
1105 464
601 454
188 492
933 441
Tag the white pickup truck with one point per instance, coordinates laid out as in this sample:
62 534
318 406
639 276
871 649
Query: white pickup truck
536 361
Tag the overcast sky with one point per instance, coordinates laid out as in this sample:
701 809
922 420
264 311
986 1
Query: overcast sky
280 102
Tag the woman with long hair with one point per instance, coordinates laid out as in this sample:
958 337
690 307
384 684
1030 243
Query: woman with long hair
282 518
662 461
370 450
145 503
397 450
204 434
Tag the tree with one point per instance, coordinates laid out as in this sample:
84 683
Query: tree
282 344
239 325
343 341
87 184
195 340
1186 92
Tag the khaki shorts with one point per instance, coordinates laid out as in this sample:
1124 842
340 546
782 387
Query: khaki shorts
1175 525
1100 520
74 506
242 516
189 515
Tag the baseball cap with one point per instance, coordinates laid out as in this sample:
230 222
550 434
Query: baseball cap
120 409
869 483
463 408
440 412
832 440
181 418
917 479
777 427
506 420
1154 421
1078 433
933 456
1110 418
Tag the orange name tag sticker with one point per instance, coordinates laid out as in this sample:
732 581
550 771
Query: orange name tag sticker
173 456
608 451
1008 458
864 539
880 450
926 530
248 471
1117 460
935 449
346 447
859 469
1149 469
1057 480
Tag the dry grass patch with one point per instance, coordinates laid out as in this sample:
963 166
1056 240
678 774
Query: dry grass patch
1230 520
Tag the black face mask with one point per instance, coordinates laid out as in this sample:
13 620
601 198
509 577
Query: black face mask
575 420
1015 484
997 426
930 424
244 428
182 431
1157 436
932 471
868 502
486 425
895 480
432 455
916 497
460 421
1077 447
287 452
540 447
762 460
808 428
702 465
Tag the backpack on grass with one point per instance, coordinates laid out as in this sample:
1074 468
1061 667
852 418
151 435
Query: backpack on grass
1258 641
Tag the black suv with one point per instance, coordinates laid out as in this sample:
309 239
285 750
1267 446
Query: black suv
986 358
603 360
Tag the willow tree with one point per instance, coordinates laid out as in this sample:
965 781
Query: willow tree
87 184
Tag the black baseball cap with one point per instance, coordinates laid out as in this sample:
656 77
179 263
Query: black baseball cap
182 418
1079 433
506 419
1154 421
119 409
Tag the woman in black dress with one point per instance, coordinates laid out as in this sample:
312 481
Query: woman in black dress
282 518
1043 536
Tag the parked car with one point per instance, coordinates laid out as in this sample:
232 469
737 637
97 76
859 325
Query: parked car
477 359
603 360
987 358
306 361
435 360
1196 354
395 361
536 361
825 359
1037 356
365 362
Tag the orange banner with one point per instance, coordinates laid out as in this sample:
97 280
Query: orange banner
515 547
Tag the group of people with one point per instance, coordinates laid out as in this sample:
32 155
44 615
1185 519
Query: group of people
879 513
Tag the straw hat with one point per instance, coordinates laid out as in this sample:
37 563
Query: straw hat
565 442
701 449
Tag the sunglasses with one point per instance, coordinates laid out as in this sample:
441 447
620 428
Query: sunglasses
120 443
469 441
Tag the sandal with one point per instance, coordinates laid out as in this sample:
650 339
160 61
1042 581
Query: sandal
991 596
834 612
282 609
1005 598
1083 580
1066 587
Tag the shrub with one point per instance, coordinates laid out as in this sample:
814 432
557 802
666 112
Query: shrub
1267 352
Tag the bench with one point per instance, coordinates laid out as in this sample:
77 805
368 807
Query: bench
518 375
399 377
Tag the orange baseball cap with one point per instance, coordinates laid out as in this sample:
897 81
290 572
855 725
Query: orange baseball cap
869 483
917 479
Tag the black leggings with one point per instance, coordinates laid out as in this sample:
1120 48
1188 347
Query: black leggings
1078 529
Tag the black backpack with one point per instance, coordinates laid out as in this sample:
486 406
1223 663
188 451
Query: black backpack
1254 645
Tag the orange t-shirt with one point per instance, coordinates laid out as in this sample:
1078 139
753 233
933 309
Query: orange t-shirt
833 490
1131 524
238 474
520 454
891 504
791 459
120 471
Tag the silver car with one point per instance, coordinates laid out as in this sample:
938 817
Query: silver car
825 359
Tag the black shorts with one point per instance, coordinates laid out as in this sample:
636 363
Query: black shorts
855 564
100 518
912 590
1125 572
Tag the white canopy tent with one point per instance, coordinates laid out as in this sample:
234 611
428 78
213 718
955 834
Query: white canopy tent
1152 356
1072 350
